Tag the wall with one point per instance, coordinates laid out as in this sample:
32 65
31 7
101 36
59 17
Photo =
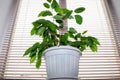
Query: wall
5 10
116 5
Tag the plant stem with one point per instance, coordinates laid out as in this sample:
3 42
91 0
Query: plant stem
65 24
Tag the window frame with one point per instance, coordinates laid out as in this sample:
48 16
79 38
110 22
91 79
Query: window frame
4 49
12 30
112 14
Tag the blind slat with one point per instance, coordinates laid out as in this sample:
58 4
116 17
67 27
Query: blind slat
104 64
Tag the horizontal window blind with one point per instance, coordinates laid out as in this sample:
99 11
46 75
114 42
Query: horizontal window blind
114 16
8 28
104 64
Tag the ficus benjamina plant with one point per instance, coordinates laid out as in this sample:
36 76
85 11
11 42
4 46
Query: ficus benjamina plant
49 31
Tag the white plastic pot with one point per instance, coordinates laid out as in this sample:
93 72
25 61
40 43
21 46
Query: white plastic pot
62 62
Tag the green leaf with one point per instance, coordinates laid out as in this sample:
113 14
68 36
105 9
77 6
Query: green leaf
82 47
54 4
46 5
64 10
59 21
78 36
71 35
49 1
41 30
61 11
64 39
27 51
58 10
33 53
79 19
71 17
39 57
45 34
42 47
35 46
79 10
84 32
67 15
35 24
45 13
74 43
38 63
72 30
57 17
93 48
95 40
42 21
32 59
52 26
87 41
33 31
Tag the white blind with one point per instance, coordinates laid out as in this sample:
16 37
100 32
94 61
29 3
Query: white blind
101 65
7 30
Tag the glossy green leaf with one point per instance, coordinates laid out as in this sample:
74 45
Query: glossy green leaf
61 11
74 43
45 13
87 41
35 46
39 57
33 31
79 10
46 5
59 21
41 31
71 35
49 1
27 51
42 21
84 32
52 26
35 24
45 34
78 19
33 53
64 10
72 30
58 10
38 63
95 40
82 47
32 59
64 39
71 17
40 48
57 17
54 4
78 36
67 15
93 48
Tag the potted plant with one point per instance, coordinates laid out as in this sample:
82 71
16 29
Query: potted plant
61 50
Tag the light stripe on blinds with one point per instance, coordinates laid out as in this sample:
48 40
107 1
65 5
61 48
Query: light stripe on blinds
104 64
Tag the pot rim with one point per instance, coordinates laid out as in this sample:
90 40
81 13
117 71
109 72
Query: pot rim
62 47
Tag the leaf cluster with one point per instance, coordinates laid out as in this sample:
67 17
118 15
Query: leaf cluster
49 31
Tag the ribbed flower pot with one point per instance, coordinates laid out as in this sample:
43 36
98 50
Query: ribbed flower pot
62 63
